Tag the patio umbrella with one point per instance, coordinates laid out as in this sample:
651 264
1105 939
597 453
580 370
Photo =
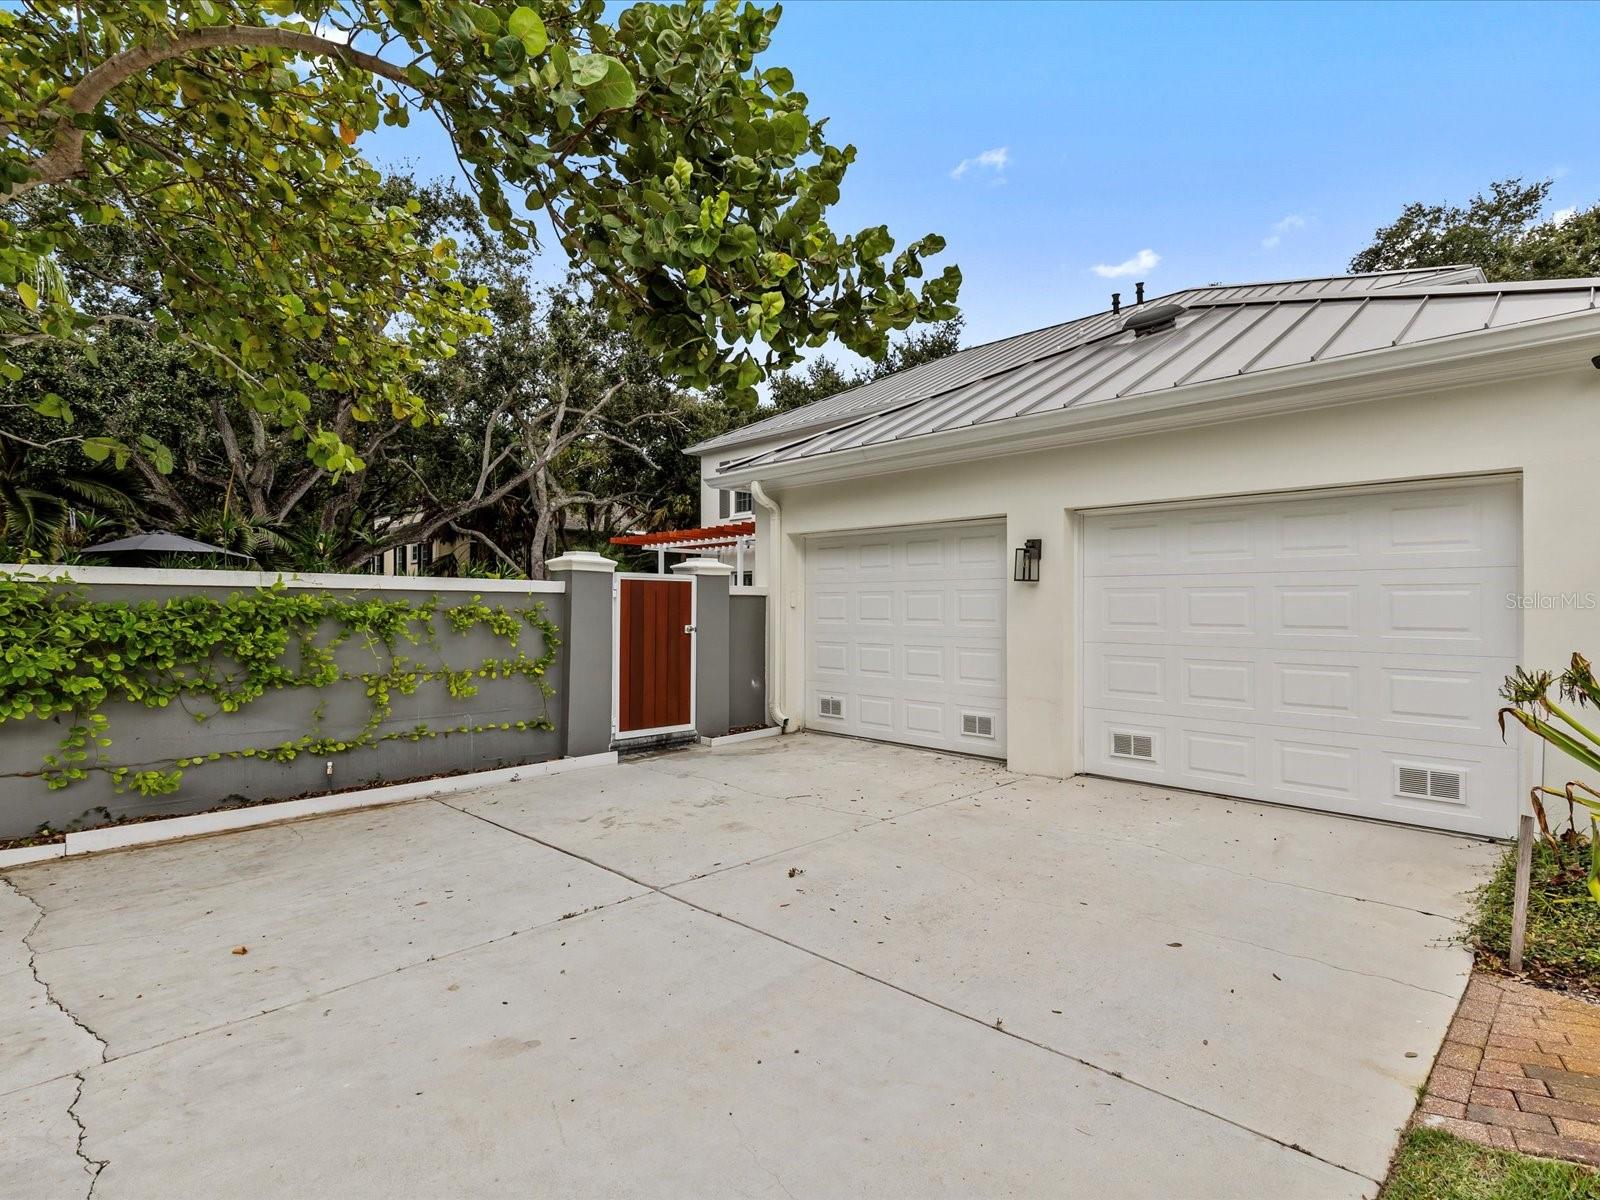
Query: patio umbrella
146 546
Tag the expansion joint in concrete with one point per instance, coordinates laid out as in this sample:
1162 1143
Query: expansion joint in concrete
993 1026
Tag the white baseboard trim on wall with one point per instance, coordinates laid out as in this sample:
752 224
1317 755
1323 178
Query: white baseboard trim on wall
118 837
749 735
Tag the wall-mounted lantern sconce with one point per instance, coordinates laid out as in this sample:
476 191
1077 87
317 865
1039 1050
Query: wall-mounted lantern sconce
1027 564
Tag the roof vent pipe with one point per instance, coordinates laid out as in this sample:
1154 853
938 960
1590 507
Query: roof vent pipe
1116 303
1158 319
1138 292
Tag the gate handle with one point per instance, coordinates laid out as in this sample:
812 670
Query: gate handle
690 629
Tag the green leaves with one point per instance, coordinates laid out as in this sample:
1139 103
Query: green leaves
509 56
684 183
589 69
327 451
68 656
159 455
52 405
524 25
101 449
614 88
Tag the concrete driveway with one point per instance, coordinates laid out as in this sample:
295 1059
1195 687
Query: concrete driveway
799 967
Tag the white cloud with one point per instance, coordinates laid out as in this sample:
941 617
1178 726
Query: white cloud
1288 225
1562 215
996 160
332 33
1145 260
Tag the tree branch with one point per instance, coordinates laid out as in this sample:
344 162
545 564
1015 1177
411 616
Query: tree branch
64 159
489 542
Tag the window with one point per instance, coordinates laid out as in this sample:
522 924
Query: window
743 504
415 559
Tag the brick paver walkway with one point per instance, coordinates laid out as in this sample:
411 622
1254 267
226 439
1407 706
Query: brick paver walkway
1520 1069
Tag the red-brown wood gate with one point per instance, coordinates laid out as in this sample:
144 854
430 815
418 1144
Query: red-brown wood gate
655 654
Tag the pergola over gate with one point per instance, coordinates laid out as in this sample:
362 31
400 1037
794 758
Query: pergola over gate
737 536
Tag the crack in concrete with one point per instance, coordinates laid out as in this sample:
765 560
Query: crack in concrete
984 1022
93 1165
756 1158
96 1166
409 966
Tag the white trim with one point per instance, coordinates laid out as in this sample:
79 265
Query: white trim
1230 499
749 735
581 560
618 737
31 854
701 566
117 837
161 577
741 590
1075 659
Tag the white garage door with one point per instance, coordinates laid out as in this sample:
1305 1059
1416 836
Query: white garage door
1340 651
906 636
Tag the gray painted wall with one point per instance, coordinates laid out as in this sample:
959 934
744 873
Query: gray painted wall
585 680
711 655
747 660
143 737
731 659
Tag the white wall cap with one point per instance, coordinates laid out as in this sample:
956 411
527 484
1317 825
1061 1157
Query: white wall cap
581 560
181 577
701 566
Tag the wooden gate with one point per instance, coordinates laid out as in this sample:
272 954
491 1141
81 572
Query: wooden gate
655 655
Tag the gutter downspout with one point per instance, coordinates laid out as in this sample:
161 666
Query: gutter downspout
775 712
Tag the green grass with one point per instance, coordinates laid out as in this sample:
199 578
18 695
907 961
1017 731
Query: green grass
1435 1165
1563 945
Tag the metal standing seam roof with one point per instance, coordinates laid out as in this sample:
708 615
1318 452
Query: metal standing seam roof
977 362
1215 339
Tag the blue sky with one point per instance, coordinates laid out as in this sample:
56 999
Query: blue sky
1234 142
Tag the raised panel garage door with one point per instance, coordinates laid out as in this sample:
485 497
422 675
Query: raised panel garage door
906 636
1340 651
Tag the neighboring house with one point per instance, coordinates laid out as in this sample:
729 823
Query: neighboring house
427 557
1288 537
421 558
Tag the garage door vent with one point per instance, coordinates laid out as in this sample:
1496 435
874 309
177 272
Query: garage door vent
1429 784
830 706
977 725
1132 745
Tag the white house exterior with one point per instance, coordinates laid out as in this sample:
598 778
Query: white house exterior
1292 537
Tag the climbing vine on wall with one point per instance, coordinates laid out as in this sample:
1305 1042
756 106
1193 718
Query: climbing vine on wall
65 656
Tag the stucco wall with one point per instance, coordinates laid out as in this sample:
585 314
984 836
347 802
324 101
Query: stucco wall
747 648
154 737
710 513
578 599
1542 430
